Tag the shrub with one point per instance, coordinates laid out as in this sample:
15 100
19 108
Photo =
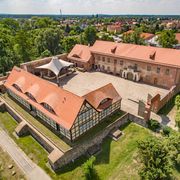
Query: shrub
155 159
88 168
153 125
177 102
177 119
166 130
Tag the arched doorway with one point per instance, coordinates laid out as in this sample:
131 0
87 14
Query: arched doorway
130 76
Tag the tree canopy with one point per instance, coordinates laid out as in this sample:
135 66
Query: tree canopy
155 158
167 39
134 37
90 35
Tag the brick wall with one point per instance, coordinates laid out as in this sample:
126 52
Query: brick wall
161 79
30 66
81 149
159 102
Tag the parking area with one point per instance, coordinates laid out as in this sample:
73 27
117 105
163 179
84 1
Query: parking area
81 83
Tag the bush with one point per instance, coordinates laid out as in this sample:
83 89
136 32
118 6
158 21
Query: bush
177 119
153 125
88 168
166 130
155 159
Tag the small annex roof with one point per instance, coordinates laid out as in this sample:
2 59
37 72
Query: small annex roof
162 56
145 36
107 92
65 104
55 65
80 53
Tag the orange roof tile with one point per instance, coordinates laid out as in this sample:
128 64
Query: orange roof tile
66 105
178 37
97 96
80 53
145 36
162 56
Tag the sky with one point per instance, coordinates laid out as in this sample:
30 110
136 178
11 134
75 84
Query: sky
157 7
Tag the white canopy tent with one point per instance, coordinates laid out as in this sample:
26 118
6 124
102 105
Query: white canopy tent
56 65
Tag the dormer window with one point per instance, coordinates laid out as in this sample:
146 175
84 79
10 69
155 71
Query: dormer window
113 50
17 87
47 107
104 101
76 56
152 55
30 96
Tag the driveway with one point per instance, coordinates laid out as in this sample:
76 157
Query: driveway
131 92
30 169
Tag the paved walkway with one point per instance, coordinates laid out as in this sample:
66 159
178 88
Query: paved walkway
30 169
131 92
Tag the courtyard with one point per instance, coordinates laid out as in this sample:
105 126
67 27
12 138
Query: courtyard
131 92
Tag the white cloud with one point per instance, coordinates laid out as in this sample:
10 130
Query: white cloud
91 6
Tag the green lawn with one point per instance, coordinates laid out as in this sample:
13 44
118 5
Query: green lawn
118 160
30 146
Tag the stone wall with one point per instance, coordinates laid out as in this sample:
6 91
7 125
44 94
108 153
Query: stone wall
30 66
148 71
13 114
82 149
158 102
32 131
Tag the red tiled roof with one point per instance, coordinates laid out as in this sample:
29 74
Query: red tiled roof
163 56
80 53
97 96
66 105
178 37
145 36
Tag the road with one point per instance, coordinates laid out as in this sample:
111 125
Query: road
30 169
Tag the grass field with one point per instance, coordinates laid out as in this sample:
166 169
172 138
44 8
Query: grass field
5 172
118 160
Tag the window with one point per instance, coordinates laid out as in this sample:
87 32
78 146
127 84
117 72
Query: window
115 61
148 68
167 71
99 58
103 59
108 60
135 66
103 67
121 63
104 101
47 107
17 87
158 70
31 96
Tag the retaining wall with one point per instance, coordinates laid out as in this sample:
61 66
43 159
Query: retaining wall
82 149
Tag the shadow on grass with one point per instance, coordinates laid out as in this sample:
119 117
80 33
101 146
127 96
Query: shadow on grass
73 165
168 107
125 125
